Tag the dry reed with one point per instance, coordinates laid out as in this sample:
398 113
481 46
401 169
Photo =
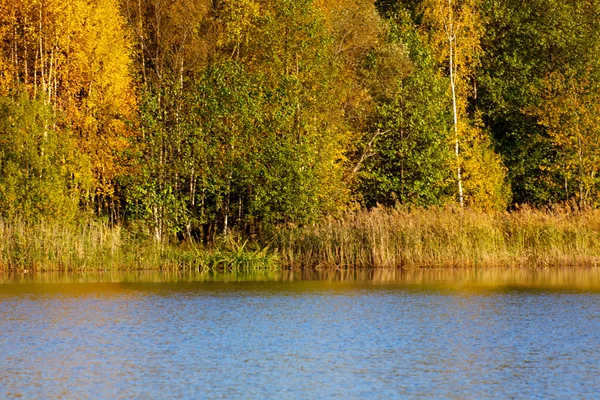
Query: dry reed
444 237
379 238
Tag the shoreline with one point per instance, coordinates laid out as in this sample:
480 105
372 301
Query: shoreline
383 237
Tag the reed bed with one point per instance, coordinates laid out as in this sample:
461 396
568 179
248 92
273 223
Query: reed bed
378 238
96 246
444 237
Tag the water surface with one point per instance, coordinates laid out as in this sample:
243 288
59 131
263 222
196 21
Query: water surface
493 333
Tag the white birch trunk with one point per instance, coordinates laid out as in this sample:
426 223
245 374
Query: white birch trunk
451 42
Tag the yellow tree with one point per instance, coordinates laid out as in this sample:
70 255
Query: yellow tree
357 31
76 56
570 110
355 26
99 96
455 28
172 38
7 23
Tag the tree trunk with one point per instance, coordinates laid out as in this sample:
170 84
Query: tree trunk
451 41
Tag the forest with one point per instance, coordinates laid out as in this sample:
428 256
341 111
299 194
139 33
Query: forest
190 119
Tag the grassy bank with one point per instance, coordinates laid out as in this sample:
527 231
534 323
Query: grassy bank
95 246
384 238
380 238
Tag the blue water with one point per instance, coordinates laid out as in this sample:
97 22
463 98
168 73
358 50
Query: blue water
301 339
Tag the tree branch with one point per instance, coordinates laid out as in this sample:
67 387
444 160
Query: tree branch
367 152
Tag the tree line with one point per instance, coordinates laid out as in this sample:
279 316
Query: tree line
195 117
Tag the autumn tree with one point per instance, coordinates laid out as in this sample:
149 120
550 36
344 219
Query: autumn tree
75 56
570 110
173 41
301 131
408 160
251 131
357 31
454 28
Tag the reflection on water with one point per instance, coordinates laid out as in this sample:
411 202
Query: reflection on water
492 333
547 278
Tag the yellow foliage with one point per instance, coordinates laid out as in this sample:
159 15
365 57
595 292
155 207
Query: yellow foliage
570 110
459 22
484 175
77 55
355 25
240 20
455 29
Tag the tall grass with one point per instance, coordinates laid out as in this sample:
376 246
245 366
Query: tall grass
380 238
97 246
402 237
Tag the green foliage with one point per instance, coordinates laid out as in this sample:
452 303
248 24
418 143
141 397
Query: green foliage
411 161
263 157
257 136
525 43
159 162
415 160
42 176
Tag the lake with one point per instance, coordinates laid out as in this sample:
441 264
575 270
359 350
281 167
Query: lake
492 333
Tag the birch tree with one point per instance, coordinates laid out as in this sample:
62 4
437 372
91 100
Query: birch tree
455 28
411 162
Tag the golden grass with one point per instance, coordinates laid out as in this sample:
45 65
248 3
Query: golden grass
380 238
444 237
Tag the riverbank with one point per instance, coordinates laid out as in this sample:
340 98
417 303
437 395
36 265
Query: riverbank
380 238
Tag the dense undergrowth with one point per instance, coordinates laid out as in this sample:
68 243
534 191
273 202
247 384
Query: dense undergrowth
379 238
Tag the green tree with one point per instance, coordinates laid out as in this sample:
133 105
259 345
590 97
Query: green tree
539 57
256 134
298 127
42 174
410 159
173 42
